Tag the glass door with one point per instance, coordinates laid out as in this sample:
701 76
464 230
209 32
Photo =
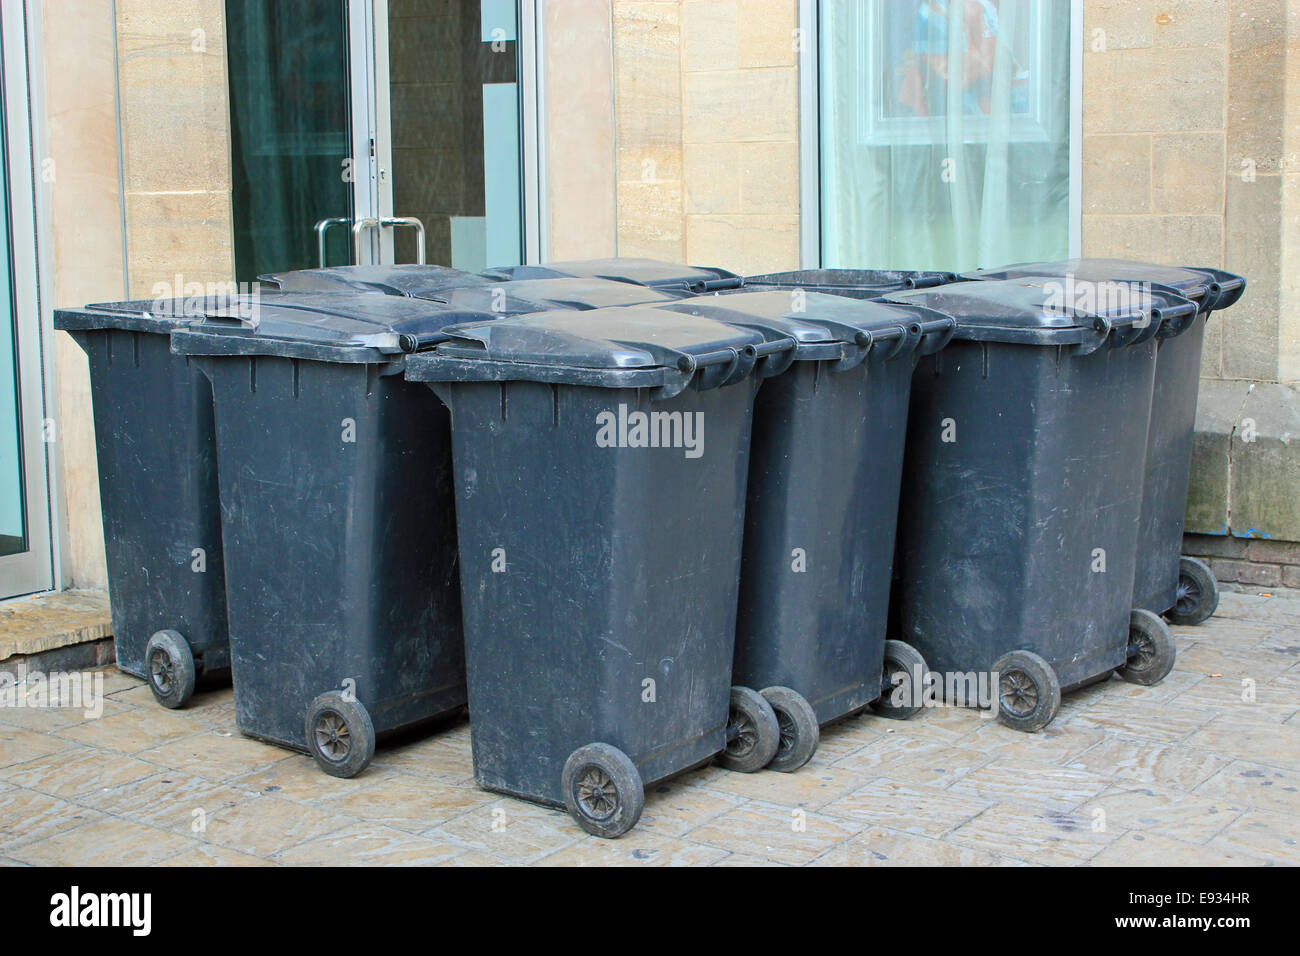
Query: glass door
448 107
373 131
25 551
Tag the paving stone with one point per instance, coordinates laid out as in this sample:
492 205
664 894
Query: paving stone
104 842
880 846
1031 781
510 829
1243 783
1128 758
636 848
927 811
779 833
1036 834
1166 812
26 815
77 770
367 845
1149 849
1268 837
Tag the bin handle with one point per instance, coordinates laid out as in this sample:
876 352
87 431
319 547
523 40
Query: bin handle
937 333
1101 327
1177 316
776 356
738 363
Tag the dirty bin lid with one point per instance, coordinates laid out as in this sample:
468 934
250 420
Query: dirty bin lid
856 283
518 296
329 328
1032 311
651 272
823 326
164 315
1210 288
631 347
406 279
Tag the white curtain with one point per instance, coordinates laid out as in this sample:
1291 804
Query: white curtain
944 132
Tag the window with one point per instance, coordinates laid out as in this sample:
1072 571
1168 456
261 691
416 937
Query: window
946 133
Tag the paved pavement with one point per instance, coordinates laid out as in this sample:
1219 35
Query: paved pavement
1202 769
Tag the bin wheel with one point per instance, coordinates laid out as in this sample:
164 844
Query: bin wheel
753 734
1029 692
903 663
169 664
1151 650
797 728
340 735
603 790
1198 593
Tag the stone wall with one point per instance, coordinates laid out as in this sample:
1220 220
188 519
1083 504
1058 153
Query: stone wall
706 96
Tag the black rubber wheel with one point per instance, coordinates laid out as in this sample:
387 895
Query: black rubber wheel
169 666
603 790
902 700
797 728
753 734
1198 593
1029 692
1151 652
340 735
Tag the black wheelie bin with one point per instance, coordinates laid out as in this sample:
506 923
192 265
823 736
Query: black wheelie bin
600 463
1024 471
1168 582
825 466
158 492
338 521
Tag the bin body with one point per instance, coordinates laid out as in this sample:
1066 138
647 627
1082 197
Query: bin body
1173 407
1024 476
337 516
157 468
598 582
822 504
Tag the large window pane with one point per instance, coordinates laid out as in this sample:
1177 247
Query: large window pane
944 132
289 104
13 525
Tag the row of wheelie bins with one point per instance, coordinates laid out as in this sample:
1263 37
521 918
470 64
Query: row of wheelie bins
638 516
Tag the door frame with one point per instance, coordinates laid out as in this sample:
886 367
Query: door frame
371 122
35 569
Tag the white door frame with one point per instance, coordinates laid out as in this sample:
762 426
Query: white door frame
33 570
371 119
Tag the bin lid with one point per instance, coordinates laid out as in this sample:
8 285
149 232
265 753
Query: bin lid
164 315
856 283
406 279
519 296
329 327
618 347
1033 311
1085 278
822 326
651 272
